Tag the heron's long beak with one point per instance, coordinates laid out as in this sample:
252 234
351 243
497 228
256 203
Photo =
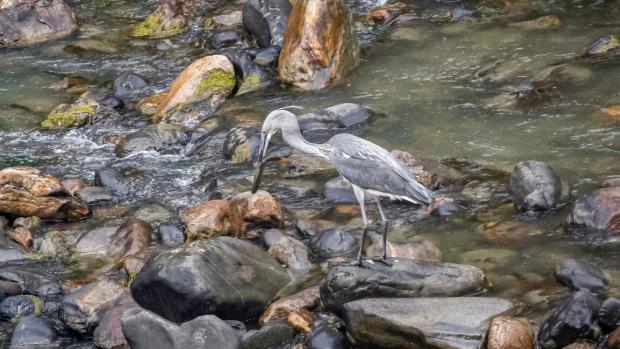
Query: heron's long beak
260 163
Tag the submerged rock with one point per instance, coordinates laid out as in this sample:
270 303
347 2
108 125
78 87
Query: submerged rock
459 322
222 276
544 22
406 278
603 46
507 332
152 137
132 238
209 79
335 117
82 309
580 275
31 283
145 330
33 331
29 22
572 320
129 87
420 249
241 143
428 172
334 242
315 56
266 20
535 186
168 19
598 210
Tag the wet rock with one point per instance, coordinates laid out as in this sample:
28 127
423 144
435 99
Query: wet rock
507 332
82 309
386 13
266 20
510 232
33 21
227 20
94 195
225 39
326 336
273 335
334 242
251 75
30 223
235 216
89 108
153 214
222 276
292 253
300 164
31 179
169 18
132 238
267 56
581 345
8 288
129 87
598 210
613 341
301 320
613 112
500 71
428 172
21 201
604 46
558 76
579 275
544 22
280 309
153 137
149 105
109 334
15 307
241 144
112 179
145 330
33 331
31 283
422 322
609 314
315 56
443 206
339 190
572 320
406 278
171 235
421 249
535 186
209 79
335 117
22 236
489 258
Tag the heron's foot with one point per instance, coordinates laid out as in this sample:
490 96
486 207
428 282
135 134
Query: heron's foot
356 263
384 260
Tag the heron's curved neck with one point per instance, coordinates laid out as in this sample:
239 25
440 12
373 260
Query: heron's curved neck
294 138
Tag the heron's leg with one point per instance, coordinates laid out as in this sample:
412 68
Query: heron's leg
359 195
385 225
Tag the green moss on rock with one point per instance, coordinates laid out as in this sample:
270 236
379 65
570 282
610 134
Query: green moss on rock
154 26
252 82
217 81
73 115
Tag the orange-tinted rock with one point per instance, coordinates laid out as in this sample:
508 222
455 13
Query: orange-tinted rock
301 320
421 249
132 238
612 112
507 332
613 341
320 46
280 309
259 209
387 12
598 210
22 236
582 345
428 172
32 180
22 203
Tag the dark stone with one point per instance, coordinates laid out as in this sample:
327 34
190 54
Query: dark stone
10 250
171 235
111 102
109 334
339 190
267 56
580 275
225 39
8 289
412 323
31 283
242 143
609 314
599 210
21 305
324 336
130 87
572 320
534 186
153 137
252 76
94 195
336 117
113 180
237 326
266 20
145 330
273 335
224 276
405 278
33 331
333 242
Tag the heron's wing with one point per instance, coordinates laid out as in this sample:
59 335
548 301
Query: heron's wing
369 166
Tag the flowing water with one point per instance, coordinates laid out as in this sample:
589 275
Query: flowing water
421 80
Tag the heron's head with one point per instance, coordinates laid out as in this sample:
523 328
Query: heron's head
276 120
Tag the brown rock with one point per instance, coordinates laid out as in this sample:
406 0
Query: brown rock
22 203
507 332
132 238
544 22
133 265
280 309
149 105
259 209
301 319
22 236
387 12
320 46
598 210
612 111
421 249
73 185
109 335
82 309
211 79
32 180
613 341
428 172
28 22
292 253
169 18
582 345
507 232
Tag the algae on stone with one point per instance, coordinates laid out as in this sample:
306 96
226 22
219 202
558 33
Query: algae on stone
217 81
77 114
161 23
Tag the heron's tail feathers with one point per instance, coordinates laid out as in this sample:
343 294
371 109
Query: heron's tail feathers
419 193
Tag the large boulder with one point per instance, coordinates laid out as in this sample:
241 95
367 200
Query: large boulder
224 276
145 330
598 210
34 332
27 22
315 55
534 186
26 192
266 20
169 18
405 278
210 79
454 322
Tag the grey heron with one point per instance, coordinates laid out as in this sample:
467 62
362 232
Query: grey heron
368 167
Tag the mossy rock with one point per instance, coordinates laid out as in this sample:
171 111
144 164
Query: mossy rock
252 82
77 114
156 26
216 82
